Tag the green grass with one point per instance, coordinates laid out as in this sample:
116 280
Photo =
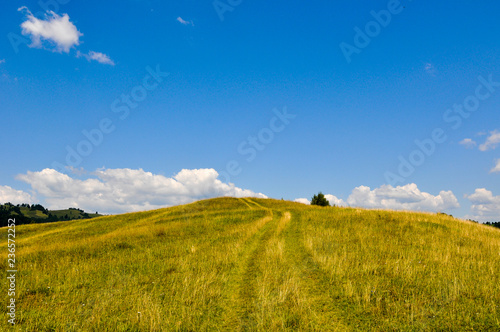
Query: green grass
71 213
33 213
249 264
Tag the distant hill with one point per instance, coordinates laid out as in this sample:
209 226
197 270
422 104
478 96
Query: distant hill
36 213
250 264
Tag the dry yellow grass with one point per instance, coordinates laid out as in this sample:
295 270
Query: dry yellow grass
257 265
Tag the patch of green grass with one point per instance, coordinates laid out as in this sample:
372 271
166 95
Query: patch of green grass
33 213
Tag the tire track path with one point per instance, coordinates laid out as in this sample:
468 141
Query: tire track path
250 263
330 311
244 297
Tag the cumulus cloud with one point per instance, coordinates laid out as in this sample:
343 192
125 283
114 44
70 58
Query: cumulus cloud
491 141
97 56
496 169
407 197
126 190
302 200
183 22
335 201
485 206
8 194
468 143
56 31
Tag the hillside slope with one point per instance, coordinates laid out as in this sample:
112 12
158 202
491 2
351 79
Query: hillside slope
250 264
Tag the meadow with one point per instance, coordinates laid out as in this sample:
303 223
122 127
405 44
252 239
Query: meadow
246 264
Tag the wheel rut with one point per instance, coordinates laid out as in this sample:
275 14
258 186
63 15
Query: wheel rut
250 264
313 279
336 313
244 297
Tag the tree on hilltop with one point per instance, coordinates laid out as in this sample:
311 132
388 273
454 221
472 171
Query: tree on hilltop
320 200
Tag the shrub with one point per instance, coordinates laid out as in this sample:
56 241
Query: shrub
320 200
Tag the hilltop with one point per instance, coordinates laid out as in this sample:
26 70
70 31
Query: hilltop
246 264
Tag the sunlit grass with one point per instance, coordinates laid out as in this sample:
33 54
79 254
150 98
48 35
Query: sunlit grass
258 265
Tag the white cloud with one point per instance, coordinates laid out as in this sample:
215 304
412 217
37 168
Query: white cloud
407 197
97 56
496 169
468 143
181 21
8 194
485 206
302 200
126 190
2 61
491 142
430 69
57 33
335 201
54 29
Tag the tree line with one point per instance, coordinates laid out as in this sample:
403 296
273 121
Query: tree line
494 224
27 214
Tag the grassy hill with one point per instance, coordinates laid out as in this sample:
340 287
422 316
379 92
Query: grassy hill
232 264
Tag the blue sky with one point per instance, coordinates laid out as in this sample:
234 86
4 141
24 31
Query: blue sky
281 99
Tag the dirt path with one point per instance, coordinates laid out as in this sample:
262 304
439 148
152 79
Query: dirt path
250 264
244 297
285 219
319 287
254 204
241 284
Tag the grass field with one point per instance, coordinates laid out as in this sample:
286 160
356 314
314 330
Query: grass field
250 264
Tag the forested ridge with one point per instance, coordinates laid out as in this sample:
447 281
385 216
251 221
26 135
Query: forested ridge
36 213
